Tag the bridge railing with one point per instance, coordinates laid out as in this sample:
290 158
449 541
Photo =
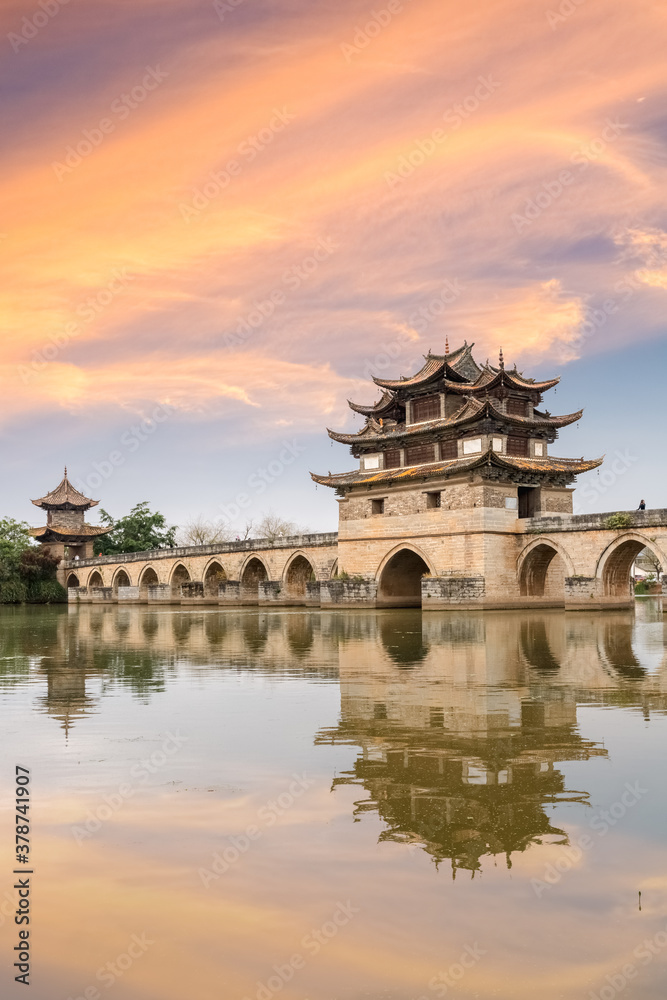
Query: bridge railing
597 522
183 551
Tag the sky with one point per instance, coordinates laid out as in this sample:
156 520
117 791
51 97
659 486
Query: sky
219 220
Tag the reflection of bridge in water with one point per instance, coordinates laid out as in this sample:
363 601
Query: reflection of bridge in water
463 724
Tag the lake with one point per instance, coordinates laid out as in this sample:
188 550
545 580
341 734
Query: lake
337 805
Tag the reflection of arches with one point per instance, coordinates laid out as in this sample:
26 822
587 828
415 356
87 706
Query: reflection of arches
255 632
542 570
179 576
402 637
298 574
300 634
617 639
213 577
148 578
400 578
617 559
72 580
253 574
95 579
121 579
535 646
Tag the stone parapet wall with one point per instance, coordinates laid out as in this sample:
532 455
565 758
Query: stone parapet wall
444 591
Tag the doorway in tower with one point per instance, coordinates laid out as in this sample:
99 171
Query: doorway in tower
529 500
401 580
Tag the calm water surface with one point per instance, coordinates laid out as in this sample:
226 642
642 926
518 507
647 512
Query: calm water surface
306 805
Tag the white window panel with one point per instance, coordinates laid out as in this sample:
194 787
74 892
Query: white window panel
497 444
539 449
471 446
372 462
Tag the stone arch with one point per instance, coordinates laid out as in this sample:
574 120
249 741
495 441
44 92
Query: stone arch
214 575
72 581
298 573
254 572
179 576
121 579
95 579
543 566
615 563
400 575
148 578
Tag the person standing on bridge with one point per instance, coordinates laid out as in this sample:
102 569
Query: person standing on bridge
642 505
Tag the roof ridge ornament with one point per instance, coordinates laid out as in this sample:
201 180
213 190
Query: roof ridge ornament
501 360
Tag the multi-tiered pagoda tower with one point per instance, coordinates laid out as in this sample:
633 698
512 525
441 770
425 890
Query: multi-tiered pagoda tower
66 534
448 458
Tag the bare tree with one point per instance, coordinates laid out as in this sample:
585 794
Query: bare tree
273 526
199 531
647 559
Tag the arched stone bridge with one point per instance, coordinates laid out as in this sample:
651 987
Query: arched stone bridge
485 558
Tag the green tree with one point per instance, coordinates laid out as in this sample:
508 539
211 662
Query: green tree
27 571
15 538
138 531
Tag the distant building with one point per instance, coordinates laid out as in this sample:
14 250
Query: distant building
66 534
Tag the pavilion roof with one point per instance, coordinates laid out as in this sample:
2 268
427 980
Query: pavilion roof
65 495
569 466
472 411
51 532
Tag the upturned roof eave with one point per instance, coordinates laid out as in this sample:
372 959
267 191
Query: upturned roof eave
487 409
547 465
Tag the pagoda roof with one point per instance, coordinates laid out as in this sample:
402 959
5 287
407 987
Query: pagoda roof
386 403
460 365
568 466
472 411
52 533
460 373
65 495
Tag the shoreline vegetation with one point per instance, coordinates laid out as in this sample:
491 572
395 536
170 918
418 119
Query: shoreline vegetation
27 572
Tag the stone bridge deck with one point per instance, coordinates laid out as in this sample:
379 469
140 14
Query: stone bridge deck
480 558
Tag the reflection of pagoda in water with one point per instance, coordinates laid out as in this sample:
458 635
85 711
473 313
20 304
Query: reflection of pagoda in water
462 726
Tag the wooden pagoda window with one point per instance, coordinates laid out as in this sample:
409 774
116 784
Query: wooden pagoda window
419 454
392 459
426 408
449 450
517 446
516 407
